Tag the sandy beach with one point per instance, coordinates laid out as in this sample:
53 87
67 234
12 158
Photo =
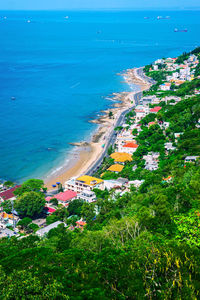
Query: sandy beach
90 152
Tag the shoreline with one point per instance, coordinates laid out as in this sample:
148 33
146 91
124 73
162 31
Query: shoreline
89 152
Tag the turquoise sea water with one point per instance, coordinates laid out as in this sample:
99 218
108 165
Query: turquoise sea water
61 70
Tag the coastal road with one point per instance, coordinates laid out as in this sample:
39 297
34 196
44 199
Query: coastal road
112 136
144 77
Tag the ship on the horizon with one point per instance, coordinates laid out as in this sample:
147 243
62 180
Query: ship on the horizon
180 30
161 17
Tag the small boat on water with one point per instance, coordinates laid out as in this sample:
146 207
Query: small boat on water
163 18
29 21
180 30
67 17
13 98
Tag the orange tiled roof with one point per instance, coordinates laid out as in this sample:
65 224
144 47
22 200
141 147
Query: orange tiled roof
116 168
121 157
130 145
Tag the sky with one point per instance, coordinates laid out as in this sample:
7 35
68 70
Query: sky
97 4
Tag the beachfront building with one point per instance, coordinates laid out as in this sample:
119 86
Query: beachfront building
84 182
87 196
121 157
116 168
64 197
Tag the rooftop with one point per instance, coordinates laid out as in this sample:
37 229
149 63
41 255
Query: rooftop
130 145
63 196
116 168
89 180
155 109
6 195
46 229
121 156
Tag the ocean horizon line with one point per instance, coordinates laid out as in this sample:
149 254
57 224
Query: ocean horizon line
106 9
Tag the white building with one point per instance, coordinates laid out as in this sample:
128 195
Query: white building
141 112
45 230
191 159
169 147
88 196
129 147
84 182
151 161
155 67
165 86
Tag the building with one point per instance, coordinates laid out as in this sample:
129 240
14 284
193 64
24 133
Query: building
129 148
8 194
155 67
141 112
84 182
155 109
64 197
121 157
80 224
136 183
116 168
87 196
169 147
115 183
5 232
151 161
191 159
45 230
177 135
49 210
165 86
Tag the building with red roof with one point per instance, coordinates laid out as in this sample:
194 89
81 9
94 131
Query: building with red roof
130 147
64 197
49 210
8 194
155 109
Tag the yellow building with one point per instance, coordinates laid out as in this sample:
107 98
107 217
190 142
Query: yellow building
121 157
84 182
115 168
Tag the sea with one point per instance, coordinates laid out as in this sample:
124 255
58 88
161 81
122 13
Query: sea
58 69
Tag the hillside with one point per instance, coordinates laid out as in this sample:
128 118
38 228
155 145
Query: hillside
140 242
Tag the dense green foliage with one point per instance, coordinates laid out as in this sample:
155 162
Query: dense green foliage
143 244
30 204
31 185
